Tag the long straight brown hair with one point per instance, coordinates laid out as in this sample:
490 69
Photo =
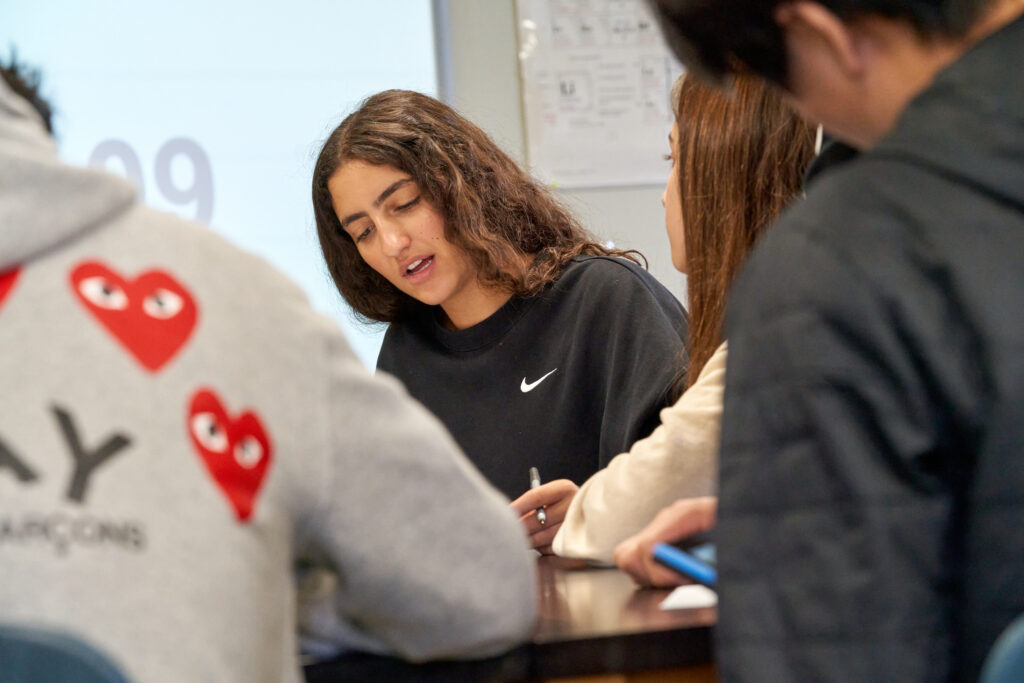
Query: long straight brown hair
741 154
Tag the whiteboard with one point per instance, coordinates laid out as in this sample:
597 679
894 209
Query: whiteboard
216 109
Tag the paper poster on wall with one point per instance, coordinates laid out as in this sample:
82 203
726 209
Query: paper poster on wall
596 77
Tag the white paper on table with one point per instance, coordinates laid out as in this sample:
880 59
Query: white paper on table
689 597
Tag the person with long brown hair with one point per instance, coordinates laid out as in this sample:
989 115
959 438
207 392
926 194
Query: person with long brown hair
534 344
738 159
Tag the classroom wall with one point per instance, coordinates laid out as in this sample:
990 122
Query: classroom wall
479 75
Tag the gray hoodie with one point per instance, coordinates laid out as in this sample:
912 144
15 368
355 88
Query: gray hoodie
179 432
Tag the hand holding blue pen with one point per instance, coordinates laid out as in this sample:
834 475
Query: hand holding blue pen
695 565
542 516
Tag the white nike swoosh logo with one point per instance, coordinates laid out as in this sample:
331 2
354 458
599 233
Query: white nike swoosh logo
530 386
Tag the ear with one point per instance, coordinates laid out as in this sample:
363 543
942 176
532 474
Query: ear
819 28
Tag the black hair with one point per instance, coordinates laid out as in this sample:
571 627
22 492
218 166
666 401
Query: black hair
25 81
717 38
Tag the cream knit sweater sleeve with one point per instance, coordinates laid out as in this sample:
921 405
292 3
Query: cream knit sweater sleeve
678 460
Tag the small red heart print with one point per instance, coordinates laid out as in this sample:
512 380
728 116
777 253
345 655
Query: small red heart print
7 279
236 451
152 316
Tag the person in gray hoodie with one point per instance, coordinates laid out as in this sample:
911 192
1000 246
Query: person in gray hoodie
179 432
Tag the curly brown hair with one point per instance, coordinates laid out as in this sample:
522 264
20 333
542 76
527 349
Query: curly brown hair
494 212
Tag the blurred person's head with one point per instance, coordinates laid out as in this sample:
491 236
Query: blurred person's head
24 81
455 214
738 160
852 65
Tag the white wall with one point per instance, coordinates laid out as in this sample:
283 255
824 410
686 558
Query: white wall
480 78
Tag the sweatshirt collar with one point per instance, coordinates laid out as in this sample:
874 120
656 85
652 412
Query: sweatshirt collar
481 335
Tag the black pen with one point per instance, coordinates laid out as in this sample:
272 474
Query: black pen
542 516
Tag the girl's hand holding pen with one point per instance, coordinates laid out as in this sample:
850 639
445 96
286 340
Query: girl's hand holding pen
554 497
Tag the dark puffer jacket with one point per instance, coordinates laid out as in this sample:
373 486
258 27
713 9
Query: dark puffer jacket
872 473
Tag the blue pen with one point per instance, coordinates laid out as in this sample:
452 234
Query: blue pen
685 564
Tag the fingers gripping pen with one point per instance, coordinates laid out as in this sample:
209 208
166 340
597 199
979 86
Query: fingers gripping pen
542 516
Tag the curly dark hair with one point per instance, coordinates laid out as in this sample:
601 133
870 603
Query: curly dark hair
25 81
493 211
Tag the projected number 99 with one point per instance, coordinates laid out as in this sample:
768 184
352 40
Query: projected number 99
198 191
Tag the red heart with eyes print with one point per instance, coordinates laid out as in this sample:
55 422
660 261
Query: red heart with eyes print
7 282
152 316
236 451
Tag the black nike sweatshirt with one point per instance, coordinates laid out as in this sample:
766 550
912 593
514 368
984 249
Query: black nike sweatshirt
562 381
